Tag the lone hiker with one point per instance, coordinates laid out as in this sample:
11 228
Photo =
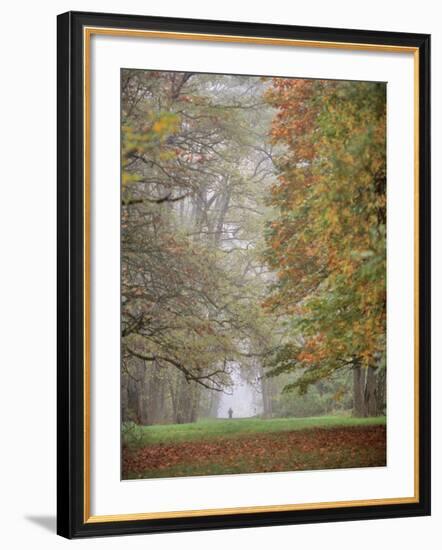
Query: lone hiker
230 412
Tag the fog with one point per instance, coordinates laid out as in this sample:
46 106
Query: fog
243 399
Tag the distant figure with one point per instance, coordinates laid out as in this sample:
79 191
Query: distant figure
230 412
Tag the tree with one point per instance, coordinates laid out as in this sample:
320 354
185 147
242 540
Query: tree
194 180
328 241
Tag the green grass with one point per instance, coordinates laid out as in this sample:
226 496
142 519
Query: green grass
220 428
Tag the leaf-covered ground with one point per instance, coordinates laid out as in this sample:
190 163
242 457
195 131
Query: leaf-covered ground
301 449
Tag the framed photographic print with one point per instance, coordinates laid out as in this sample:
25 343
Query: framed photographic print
243 274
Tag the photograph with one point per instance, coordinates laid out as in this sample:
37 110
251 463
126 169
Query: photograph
253 226
222 253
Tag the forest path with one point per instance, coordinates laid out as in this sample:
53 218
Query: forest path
255 445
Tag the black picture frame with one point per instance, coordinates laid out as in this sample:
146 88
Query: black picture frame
72 520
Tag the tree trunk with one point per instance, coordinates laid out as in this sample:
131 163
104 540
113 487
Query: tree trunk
381 391
132 400
143 400
365 401
266 394
358 396
187 402
214 403
370 392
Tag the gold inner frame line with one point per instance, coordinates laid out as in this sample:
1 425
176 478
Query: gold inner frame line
134 33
